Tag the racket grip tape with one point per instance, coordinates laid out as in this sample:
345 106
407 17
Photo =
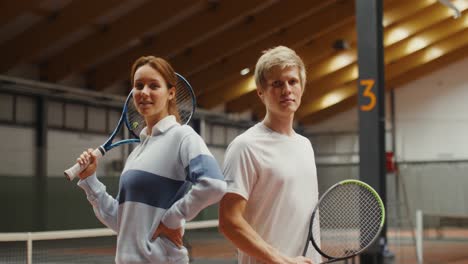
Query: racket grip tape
73 171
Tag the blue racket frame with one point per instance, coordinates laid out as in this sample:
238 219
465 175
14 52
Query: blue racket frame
108 145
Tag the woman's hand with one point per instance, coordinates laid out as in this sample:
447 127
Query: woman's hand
174 235
89 161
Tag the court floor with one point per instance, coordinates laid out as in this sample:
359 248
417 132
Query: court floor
448 246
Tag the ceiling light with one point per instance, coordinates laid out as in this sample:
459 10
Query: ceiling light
385 21
355 72
244 71
341 61
248 85
331 99
433 53
455 8
416 44
461 5
396 35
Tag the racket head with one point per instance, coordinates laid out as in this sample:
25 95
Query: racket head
348 218
135 122
185 100
132 120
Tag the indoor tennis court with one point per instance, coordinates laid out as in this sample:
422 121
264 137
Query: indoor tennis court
384 103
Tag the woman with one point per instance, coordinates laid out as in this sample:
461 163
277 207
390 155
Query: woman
153 203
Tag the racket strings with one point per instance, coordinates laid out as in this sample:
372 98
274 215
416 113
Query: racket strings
185 104
136 121
347 221
185 100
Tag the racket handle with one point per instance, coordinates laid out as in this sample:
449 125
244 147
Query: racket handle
73 171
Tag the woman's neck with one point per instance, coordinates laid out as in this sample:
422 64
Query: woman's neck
151 121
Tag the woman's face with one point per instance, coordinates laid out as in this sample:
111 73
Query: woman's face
151 94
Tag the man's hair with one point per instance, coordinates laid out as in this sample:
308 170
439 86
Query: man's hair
278 56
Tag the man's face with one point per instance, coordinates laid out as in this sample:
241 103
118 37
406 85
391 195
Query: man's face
283 91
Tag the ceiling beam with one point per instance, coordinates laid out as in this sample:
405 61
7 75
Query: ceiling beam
256 28
394 11
26 46
317 50
309 51
326 113
437 28
132 26
407 69
398 10
176 39
315 25
12 9
445 31
319 85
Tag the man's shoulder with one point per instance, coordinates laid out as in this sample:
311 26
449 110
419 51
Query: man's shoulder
303 138
245 142
248 137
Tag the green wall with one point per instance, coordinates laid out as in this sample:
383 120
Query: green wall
67 206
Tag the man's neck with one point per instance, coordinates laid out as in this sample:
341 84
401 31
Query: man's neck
280 124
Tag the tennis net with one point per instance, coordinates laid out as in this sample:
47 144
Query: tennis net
201 238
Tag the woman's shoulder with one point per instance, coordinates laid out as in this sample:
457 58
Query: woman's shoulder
183 131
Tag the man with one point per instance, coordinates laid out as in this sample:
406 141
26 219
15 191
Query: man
271 173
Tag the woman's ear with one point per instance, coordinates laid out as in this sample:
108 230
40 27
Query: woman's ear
172 93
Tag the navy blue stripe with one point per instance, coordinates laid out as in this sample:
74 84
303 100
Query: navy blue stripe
203 165
151 189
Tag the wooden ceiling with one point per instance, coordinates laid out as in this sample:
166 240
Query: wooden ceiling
211 41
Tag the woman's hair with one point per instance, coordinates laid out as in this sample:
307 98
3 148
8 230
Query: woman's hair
166 71
278 56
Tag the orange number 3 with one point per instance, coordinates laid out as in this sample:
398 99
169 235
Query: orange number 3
368 83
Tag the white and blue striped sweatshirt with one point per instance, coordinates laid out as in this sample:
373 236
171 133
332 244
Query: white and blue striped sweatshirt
169 177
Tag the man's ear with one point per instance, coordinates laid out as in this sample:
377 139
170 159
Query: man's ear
260 93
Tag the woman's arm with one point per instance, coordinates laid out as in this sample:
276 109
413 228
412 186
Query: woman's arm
208 182
104 206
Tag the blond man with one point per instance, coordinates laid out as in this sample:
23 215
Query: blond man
271 172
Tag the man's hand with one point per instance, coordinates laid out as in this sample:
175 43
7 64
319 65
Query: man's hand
174 235
291 260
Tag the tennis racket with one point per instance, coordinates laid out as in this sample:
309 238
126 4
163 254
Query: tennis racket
134 122
346 220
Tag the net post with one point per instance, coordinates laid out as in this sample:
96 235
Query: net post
419 236
29 248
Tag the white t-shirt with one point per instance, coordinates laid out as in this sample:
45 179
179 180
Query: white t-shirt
277 176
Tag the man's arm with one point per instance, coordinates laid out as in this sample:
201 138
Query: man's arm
234 226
